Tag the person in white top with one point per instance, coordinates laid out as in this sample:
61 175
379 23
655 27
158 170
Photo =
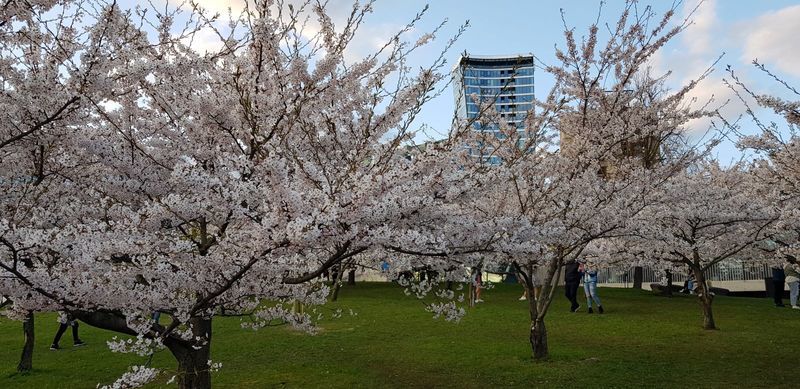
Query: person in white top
792 271
537 278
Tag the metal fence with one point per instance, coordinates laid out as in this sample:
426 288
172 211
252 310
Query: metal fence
732 270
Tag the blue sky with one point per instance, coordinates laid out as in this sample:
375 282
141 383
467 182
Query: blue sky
741 29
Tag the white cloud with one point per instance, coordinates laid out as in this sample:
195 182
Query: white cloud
699 36
772 39
371 36
222 6
205 41
700 46
713 94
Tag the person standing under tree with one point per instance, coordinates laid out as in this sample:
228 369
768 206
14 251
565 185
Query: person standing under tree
590 288
478 280
572 279
778 280
688 286
66 320
537 278
792 270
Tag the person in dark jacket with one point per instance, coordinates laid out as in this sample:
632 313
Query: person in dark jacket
572 279
65 321
778 282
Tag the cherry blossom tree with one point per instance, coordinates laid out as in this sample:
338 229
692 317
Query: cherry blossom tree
593 155
42 87
203 184
777 152
701 218
615 151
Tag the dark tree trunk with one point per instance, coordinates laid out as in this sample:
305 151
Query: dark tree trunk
471 294
351 277
638 277
705 299
538 305
668 290
337 284
708 315
193 369
539 340
538 335
192 356
335 294
26 360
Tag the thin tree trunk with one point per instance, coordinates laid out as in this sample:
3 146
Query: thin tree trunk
351 277
471 294
193 369
337 283
298 307
26 360
335 294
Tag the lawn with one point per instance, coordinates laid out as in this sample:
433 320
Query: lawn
642 340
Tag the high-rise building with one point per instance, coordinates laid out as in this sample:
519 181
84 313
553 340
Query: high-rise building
505 81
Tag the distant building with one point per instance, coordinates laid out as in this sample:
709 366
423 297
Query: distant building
505 81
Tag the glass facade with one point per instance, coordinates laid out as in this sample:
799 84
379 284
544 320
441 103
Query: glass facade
505 82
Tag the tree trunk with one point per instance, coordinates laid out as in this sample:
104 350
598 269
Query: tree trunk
538 305
638 277
337 283
705 299
26 360
193 370
708 315
335 294
298 307
471 294
668 290
192 356
539 340
351 277
538 335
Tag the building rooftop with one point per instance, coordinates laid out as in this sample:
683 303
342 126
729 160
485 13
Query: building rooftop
493 60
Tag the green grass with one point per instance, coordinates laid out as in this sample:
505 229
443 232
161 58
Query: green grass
642 340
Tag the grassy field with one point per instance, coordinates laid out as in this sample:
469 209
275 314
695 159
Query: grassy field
642 340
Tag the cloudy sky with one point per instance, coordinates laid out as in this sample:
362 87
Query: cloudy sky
738 30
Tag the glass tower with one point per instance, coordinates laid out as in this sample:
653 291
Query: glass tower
505 81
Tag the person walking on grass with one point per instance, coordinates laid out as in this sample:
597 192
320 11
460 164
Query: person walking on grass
478 279
572 279
590 288
792 270
66 320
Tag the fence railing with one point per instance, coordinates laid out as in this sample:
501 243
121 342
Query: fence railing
724 271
